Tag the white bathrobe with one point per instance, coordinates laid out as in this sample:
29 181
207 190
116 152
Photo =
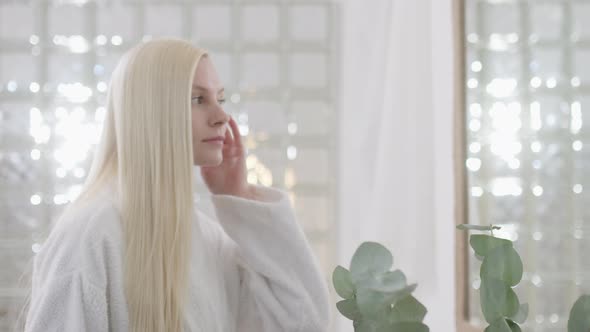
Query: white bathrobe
272 279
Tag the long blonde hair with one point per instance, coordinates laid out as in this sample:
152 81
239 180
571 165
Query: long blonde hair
146 149
148 142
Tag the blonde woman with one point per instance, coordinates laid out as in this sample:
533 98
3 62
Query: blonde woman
133 254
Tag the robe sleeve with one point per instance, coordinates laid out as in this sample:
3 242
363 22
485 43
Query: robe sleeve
67 303
281 287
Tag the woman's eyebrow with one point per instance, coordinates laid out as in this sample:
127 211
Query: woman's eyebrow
197 87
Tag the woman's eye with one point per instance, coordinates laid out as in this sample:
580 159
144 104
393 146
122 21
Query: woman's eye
200 99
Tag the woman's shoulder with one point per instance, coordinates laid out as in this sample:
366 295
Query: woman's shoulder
93 218
84 239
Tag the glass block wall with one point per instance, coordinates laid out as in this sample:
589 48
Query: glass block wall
277 60
528 145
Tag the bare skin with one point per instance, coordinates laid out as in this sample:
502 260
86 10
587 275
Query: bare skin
223 162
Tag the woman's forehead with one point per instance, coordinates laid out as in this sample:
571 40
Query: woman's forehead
206 77
204 88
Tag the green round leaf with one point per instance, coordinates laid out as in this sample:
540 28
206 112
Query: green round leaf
579 320
482 244
522 314
349 309
499 325
370 258
409 327
408 309
371 303
374 304
386 282
498 300
365 325
503 263
343 282
513 326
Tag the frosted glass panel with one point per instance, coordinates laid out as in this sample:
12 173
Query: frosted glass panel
528 93
212 22
308 23
16 14
260 70
170 27
260 24
273 58
308 70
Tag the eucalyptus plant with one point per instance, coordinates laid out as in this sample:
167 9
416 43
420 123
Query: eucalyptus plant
375 298
500 271
579 320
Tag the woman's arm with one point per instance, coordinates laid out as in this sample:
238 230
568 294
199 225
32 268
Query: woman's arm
67 303
69 281
281 286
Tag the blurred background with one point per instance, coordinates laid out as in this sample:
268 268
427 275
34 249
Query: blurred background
527 139
369 113
277 61
347 105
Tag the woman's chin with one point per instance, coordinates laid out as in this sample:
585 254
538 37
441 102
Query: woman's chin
209 162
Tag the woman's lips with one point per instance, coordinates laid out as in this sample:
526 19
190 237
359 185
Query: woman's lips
213 139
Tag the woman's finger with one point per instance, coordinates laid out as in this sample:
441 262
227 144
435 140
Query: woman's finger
228 137
235 131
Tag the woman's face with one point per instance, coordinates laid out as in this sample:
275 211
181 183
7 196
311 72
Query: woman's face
209 120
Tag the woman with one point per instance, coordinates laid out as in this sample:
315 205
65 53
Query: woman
132 253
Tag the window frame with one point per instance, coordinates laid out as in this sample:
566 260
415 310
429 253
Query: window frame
461 206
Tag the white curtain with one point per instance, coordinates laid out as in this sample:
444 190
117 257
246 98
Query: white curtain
396 176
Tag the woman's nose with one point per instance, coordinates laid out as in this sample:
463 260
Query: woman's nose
219 116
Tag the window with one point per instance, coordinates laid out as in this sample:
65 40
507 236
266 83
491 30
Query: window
526 149
277 61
